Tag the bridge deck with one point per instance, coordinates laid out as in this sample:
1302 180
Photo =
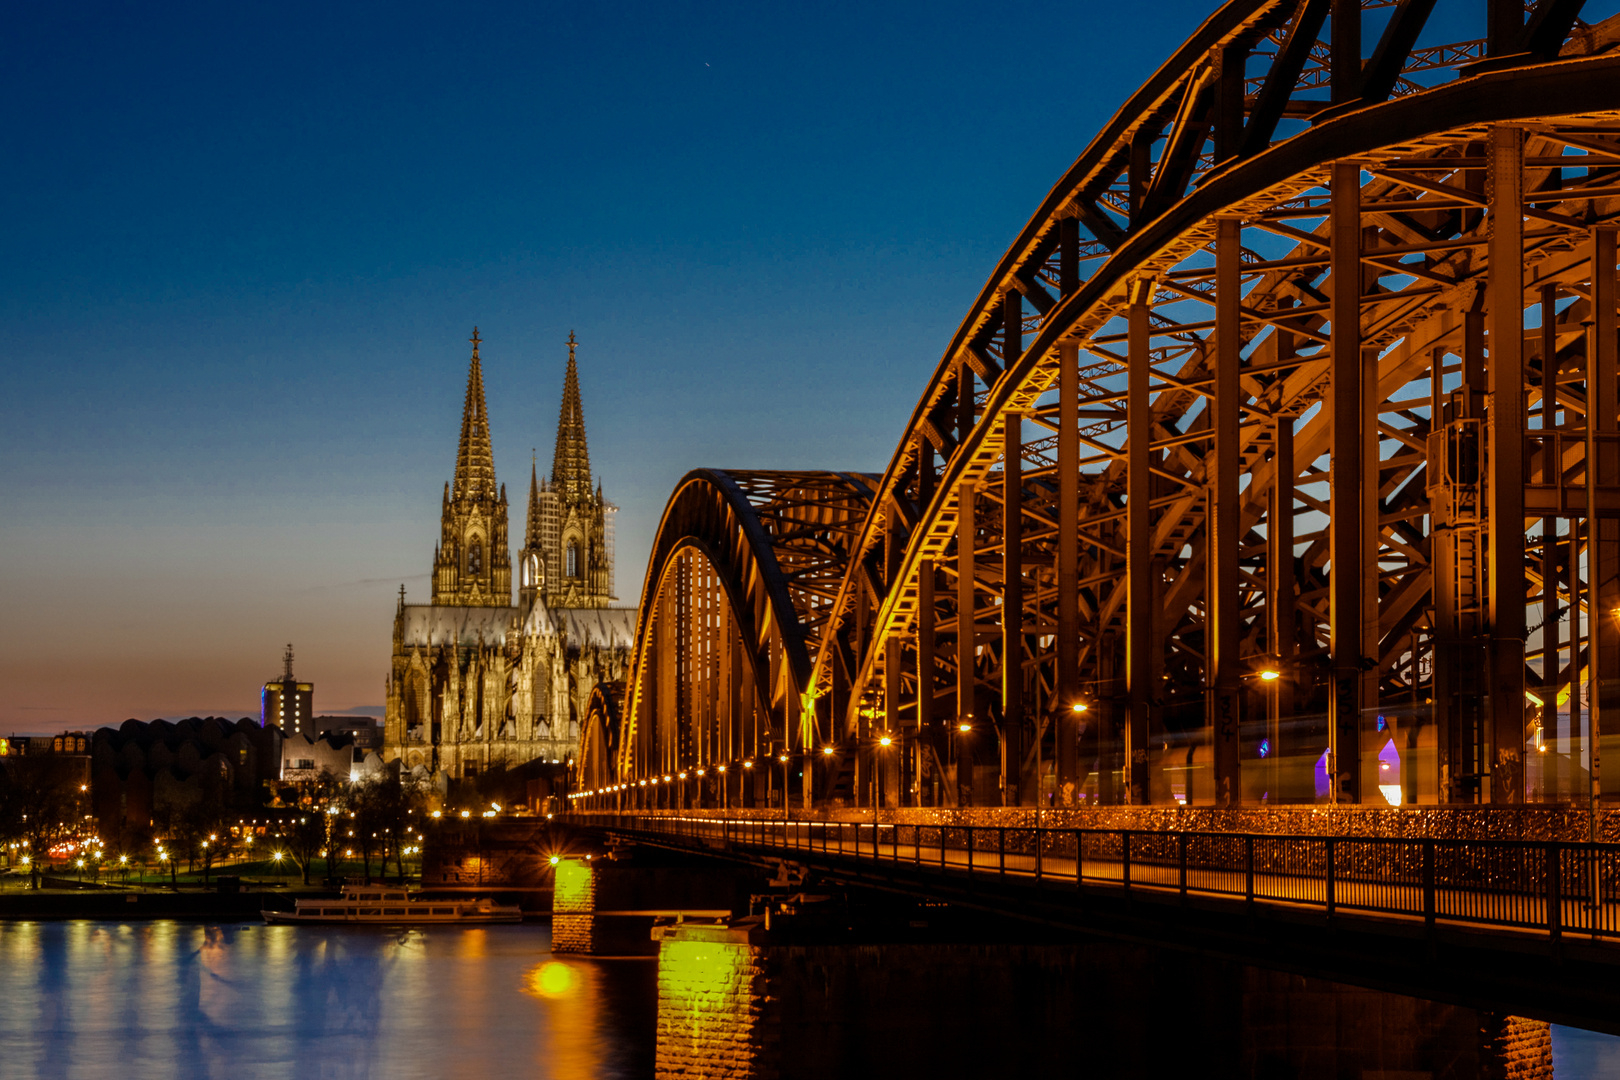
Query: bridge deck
1546 887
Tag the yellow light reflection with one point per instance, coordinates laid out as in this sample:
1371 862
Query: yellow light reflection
552 979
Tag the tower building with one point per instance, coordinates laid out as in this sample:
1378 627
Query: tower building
288 703
567 555
478 683
473 564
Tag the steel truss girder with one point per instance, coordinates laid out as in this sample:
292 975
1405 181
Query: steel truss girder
777 545
1425 225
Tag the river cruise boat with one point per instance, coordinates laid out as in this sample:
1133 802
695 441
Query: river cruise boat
389 905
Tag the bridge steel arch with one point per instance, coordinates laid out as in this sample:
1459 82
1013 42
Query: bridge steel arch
744 567
1280 450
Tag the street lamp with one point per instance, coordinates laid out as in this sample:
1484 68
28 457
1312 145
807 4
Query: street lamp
884 742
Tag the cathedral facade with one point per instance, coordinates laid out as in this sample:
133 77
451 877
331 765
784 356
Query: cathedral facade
478 682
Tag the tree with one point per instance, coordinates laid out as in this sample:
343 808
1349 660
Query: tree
384 812
409 797
207 824
39 805
305 837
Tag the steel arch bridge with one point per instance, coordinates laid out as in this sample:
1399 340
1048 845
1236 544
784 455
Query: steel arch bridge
1277 460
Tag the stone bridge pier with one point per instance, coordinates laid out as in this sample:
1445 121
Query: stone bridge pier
607 903
739 1001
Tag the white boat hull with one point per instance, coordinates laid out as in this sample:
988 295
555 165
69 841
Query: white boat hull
372 906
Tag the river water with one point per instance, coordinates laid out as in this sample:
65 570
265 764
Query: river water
90 1000
93 1000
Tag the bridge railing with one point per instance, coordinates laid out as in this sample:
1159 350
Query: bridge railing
1556 887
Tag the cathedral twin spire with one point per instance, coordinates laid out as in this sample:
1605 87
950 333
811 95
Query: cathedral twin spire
571 464
475 463
568 548
473 564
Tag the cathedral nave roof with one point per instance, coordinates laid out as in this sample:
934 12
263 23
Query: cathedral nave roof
447 624
609 628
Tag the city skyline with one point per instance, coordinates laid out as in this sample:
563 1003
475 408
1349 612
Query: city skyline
247 248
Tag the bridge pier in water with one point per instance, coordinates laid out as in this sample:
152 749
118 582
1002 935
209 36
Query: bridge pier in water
745 1003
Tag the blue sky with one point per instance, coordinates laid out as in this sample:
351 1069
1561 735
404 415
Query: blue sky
245 245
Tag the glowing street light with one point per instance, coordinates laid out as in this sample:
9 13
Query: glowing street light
1270 675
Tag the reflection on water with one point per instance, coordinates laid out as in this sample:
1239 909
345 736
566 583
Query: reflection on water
162 999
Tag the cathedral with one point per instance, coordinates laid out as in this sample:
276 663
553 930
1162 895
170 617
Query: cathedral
478 683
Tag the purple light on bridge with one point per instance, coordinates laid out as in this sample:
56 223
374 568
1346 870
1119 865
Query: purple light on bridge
1389 773
1324 782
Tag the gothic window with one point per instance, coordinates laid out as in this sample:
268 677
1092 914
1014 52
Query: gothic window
531 571
573 558
475 557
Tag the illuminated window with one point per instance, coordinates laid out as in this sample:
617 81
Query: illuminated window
475 557
573 558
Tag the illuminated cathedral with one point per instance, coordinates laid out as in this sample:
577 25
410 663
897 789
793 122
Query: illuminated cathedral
478 683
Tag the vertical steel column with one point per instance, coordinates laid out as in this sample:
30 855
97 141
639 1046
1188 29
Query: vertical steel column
1574 584
1345 62
1012 609
925 474
668 675
925 669
891 708
966 632
966 408
1603 540
1345 526
1284 621
1102 737
1557 786
1506 595
1222 680
1012 566
1139 640
926 481
1067 734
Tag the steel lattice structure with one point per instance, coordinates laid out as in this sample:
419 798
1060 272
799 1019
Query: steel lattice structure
1241 510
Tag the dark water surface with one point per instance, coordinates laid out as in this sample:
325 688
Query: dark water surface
88 1000
91 1000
